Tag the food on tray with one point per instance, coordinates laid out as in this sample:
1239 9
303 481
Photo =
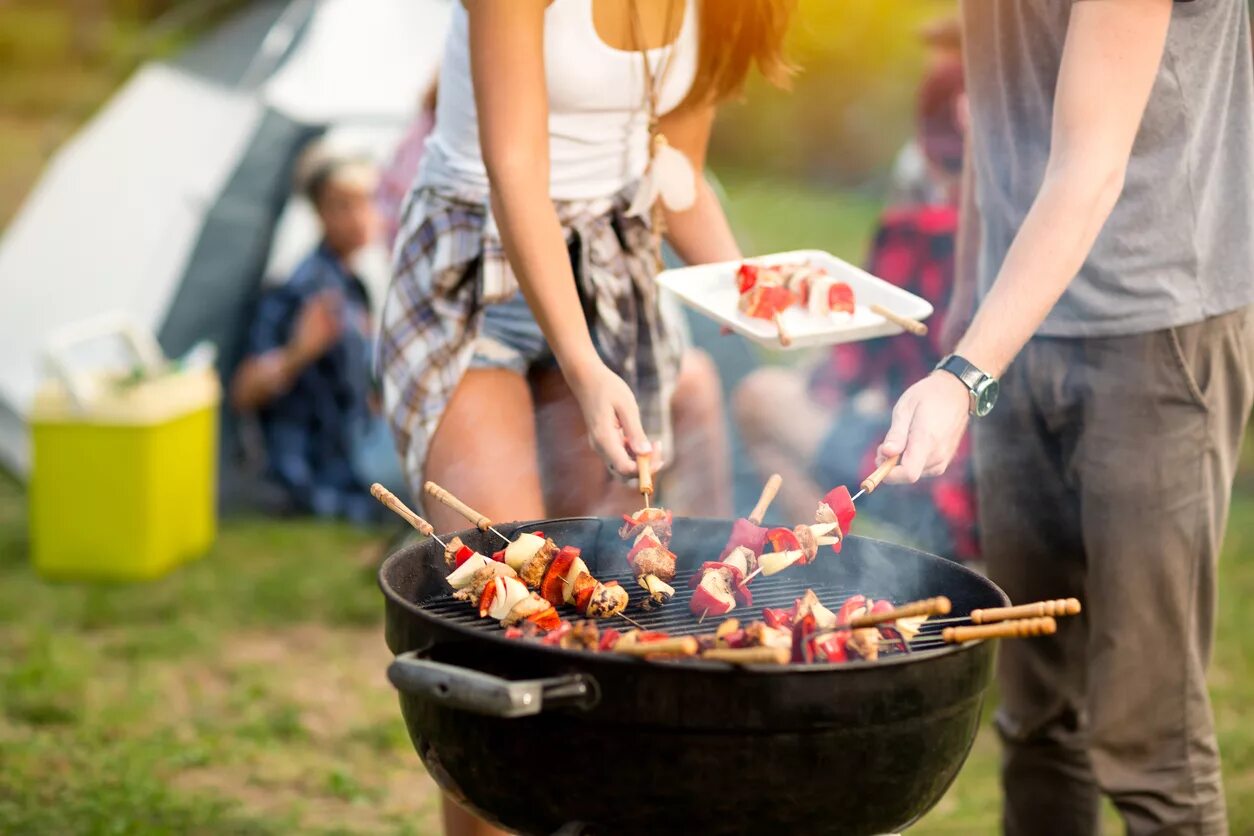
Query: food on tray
766 291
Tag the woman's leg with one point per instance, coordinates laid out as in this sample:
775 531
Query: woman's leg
484 451
699 479
783 429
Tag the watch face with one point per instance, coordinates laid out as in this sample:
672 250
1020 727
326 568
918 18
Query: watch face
986 396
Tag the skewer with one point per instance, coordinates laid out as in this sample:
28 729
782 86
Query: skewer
684 646
749 655
645 470
870 483
1018 629
784 339
906 323
394 504
1057 608
929 607
631 621
476 519
769 490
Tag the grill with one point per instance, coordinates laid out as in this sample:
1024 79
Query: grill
676 618
541 740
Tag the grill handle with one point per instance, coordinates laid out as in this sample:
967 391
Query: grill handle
483 693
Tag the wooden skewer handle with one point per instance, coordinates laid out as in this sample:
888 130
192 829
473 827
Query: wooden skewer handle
1003 630
644 465
912 325
784 338
870 483
749 655
1057 607
475 518
685 646
764 501
929 607
400 509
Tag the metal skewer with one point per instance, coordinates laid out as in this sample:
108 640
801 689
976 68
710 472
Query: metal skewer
474 517
403 511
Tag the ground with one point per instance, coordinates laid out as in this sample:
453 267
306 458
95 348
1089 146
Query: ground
245 693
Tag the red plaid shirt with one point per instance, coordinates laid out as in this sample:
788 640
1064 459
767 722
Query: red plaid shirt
913 249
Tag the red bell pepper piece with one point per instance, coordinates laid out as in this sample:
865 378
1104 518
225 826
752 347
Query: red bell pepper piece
802 647
555 637
553 584
499 557
765 301
747 277
783 539
832 647
608 639
779 617
547 619
854 602
485 599
463 554
840 298
513 633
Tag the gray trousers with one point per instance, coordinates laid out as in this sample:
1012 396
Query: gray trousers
1105 473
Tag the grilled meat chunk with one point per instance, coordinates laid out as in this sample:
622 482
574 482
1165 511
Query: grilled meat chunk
606 601
532 570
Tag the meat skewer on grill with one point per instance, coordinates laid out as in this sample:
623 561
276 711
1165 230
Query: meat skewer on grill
719 586
559 575
491 586
649 530
833 517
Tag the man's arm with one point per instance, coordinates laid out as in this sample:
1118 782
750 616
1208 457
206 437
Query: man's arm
1109 64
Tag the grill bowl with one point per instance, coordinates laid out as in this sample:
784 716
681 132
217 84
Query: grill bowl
541 740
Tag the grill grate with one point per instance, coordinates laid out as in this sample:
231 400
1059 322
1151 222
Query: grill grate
674 618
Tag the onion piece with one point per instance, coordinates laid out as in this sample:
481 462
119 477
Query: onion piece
508 595
517 552
461 576
775 562
656 586
576 569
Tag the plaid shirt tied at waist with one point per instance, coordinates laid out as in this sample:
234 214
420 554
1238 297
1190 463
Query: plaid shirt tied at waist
448 264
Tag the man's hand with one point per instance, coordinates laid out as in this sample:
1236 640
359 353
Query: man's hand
928 423
317 328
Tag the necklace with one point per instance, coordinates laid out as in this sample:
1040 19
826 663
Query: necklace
668 174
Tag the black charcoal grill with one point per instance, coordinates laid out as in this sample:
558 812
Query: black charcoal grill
542 740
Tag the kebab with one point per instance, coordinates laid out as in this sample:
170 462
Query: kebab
558 574
766 291
833 518
719 586
649 529
491 586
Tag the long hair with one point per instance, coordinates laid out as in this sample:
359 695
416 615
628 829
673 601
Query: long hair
735 35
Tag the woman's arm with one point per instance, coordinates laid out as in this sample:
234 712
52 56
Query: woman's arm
1121 43
507 63
699 234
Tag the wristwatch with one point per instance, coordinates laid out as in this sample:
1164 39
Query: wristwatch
982 388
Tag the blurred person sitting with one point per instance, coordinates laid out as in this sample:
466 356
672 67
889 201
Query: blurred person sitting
834 414
306 373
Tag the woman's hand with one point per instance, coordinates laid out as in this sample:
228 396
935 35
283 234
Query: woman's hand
612 416
928 423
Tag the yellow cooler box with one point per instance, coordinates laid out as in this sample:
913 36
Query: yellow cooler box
124 482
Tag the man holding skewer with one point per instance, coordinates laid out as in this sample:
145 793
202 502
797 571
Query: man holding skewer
1112 157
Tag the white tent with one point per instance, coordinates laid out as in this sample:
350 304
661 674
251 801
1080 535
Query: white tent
164 206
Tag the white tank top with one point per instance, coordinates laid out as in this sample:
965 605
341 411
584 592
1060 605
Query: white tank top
598 122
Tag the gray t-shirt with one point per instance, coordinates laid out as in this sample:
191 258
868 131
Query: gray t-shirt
1179 246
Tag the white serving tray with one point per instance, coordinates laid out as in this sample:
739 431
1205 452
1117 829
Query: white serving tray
711 289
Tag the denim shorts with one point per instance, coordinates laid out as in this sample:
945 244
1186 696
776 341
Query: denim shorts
510 338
